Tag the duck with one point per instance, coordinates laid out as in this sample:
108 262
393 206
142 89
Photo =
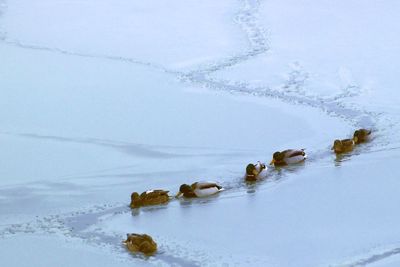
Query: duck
289 156
361 135
199 189
140 243
147 198
255 171
342 146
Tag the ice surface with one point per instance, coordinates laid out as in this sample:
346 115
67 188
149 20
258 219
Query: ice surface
74 252
177 34
102 98
325 46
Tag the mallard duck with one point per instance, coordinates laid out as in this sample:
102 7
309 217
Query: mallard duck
341 146
147 198
140 243
254 171
199 189
289 156
361 136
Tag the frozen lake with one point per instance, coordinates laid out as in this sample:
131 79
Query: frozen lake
102 98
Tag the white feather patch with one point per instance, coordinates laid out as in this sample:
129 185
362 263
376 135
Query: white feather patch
295 159
263 172
206 192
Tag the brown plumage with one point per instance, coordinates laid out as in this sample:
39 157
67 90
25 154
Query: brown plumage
361 136
341 146
140 243
153 197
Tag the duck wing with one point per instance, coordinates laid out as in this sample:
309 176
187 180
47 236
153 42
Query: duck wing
132 238
347 142
154 194
205 185
160 192
293 153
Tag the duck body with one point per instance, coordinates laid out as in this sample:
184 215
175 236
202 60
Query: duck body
342 146
361 136
199 189
140 243
148 198
289 156
255 171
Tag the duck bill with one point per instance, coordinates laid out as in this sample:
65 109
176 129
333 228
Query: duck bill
272 162
178 195
355 139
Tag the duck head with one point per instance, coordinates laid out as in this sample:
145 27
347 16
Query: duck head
135 200
185 188
277 157
361 135
251 170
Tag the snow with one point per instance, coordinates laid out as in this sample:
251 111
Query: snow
329 46
102 98
48 254
177 34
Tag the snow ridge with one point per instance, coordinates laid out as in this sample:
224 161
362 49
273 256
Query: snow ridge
373 257
23 45
293 89
247 19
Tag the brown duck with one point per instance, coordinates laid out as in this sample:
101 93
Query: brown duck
361 135
140 243
341 146
147 198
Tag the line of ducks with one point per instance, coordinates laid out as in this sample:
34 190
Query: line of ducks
146 245
347 145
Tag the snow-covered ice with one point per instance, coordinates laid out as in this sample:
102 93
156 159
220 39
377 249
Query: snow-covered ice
102 98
